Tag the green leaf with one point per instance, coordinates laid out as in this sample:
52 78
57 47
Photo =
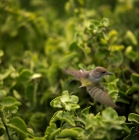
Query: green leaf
4 74
112 89
113 36
17 95
135 79
73 46
50 129
69 132
117 47
109 114
9 102
52 74
66 101
71 106
54 134
63 116
56 102
11 109
130 36
1 53
123 98
132 89
115 58
131 54
73 99
105 22
36 76
90 121
25 76
65 97
82 2
134 118
134 135
37 120
2 93
67 59
19 126
94 23
2 131
85 111
102 53
137 108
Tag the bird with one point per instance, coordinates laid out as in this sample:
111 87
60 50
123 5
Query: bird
92 81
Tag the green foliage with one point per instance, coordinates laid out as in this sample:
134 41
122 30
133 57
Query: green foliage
85 125
134 119
38 40
66 102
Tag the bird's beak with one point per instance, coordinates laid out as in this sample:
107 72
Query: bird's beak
109 73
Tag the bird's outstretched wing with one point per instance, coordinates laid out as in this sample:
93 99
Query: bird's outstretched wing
99 93
78 73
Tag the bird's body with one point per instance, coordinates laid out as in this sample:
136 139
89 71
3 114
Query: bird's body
91 80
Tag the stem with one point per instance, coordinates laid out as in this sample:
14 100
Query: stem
35 94
2 118
61 123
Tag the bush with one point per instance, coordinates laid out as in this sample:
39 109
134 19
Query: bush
41 38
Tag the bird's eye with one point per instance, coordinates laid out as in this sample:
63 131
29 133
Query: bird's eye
103 72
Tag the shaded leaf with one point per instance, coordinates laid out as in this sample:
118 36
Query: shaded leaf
63 116
134 118
4 74
135 79
134 135
9 102
19 126
24 76
115 58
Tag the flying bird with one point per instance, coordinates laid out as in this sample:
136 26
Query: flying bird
91 80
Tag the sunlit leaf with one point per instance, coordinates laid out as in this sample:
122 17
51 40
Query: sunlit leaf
1 53
73 99
71 132
109 114
2 93
131 54
56 102
105 22
130 36
65 97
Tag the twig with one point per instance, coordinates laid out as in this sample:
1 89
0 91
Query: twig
2 118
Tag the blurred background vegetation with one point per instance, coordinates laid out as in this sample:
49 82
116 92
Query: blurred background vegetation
38 38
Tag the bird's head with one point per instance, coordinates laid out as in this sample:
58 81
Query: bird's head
98 73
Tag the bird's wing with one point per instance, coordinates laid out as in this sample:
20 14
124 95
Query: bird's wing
78 73
99 93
